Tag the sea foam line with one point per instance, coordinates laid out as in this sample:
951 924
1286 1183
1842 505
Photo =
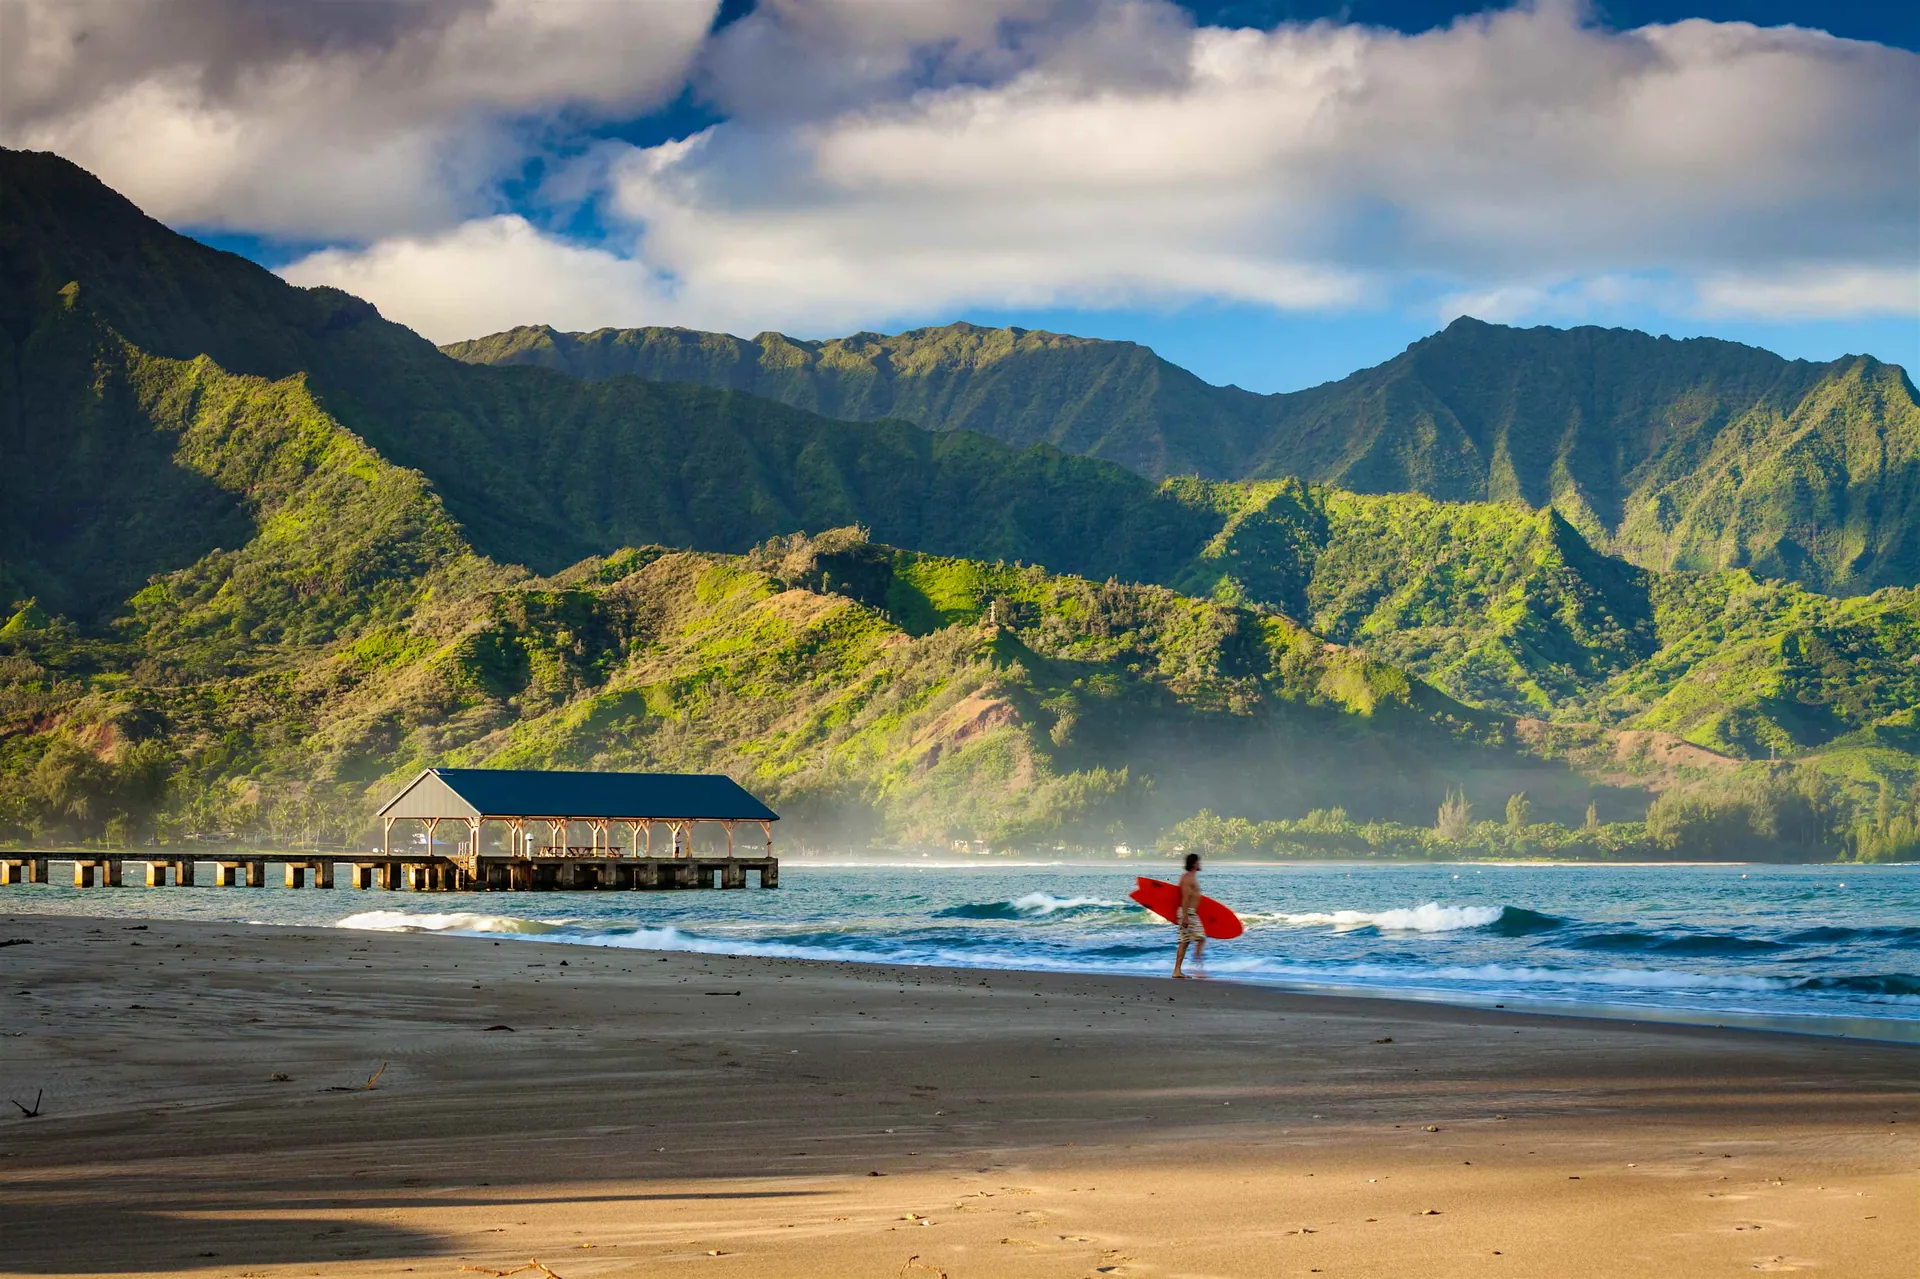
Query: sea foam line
1431 917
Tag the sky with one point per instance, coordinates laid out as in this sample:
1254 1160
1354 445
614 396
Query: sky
1271 193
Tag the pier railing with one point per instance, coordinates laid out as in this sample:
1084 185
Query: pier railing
417 872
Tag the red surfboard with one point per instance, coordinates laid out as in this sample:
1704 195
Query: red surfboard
1163 899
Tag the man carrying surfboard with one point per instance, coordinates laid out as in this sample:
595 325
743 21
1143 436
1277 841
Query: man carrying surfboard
1188 922
1197 917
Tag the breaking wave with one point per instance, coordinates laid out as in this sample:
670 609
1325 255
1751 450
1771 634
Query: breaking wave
1031 906
1430 918
400 921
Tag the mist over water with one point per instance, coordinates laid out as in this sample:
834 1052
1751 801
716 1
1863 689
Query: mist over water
1829 949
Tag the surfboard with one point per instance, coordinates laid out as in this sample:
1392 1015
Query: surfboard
1163 899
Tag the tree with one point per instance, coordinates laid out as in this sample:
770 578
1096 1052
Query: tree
1455 819
1593 815
1519 809
71 791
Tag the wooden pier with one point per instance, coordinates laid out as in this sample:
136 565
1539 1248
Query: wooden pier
516 831
399 872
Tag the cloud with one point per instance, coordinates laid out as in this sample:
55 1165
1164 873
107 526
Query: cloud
345 120
1523 160
879 160
491 274
1831 292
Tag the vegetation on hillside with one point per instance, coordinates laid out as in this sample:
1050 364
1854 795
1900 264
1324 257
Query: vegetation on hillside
263 549
1696 454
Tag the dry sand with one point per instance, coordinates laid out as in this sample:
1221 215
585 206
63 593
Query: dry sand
689 1115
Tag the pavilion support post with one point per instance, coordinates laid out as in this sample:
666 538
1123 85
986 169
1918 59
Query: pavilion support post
386 835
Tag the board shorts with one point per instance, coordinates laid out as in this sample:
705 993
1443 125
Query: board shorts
1190 930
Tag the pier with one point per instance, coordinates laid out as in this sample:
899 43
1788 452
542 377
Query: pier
515 833
401 872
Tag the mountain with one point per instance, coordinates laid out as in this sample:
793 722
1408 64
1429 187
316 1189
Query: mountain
1111 400
262 552
535 467
265 553
1695 454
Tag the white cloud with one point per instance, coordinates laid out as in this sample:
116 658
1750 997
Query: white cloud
491 274
350 119
882 159
1814 293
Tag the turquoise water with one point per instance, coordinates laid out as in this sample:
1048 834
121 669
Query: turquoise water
1827 949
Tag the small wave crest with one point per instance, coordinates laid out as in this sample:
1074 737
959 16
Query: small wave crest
1031 906
1901 935
400 921
1696 945
1898 985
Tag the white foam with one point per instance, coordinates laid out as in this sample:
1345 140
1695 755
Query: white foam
400 921
1047 903
1431 917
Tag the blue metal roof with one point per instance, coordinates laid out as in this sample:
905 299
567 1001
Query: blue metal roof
514 792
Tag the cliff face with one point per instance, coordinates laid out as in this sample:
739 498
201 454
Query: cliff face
1673 454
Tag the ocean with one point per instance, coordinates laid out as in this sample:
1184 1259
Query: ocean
1818 949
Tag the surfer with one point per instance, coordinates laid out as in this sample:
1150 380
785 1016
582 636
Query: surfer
1188 920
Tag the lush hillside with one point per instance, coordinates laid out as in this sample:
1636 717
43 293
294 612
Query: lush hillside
261 553
1111 400
1695 454
1500 605
1509 608
872 693
537 468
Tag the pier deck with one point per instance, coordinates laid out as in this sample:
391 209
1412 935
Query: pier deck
413 872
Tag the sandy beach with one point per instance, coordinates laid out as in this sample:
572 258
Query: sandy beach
626 1113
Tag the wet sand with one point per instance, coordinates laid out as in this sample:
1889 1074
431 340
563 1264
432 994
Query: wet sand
205 1113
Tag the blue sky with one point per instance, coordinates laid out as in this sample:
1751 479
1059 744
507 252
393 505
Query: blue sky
1269 192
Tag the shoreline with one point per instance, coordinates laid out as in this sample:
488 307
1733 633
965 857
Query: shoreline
631 1113
1602 996
1892 1030
988 861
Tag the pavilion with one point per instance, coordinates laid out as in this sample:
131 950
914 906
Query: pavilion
539 810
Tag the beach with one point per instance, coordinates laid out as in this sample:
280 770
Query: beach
234 1100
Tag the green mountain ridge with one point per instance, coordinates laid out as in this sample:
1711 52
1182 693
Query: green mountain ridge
246 599
1693 454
